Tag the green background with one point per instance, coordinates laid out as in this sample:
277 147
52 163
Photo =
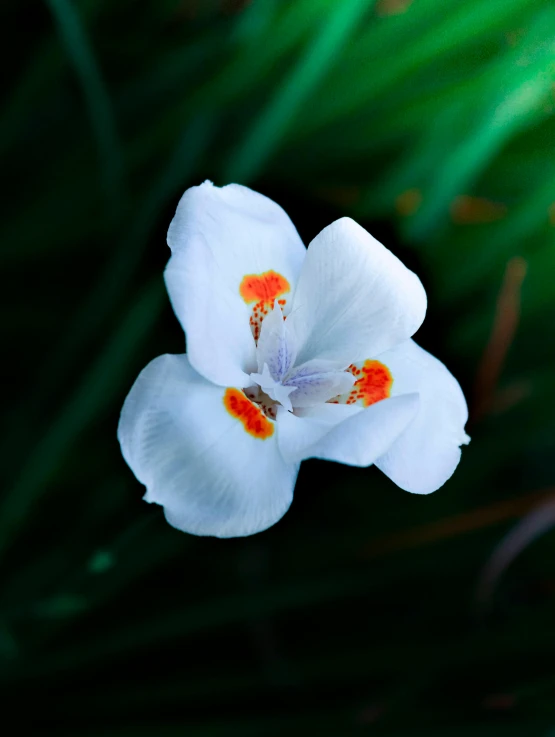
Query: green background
430 122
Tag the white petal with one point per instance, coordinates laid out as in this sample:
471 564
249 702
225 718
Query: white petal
427 453
316 382
276 345
354 298
348 434
197 460
218 237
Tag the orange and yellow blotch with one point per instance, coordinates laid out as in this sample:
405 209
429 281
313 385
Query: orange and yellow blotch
373 383
252 418
265 287
262 290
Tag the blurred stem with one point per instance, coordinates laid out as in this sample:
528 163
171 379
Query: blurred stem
38 77
99 107
503 331
104 296
97 390
265 135
450 527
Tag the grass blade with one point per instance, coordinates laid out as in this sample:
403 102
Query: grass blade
82 58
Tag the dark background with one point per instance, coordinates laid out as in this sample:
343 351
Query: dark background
366 610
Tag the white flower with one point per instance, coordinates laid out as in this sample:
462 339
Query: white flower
291 354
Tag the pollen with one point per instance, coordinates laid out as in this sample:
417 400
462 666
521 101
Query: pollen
250 415
262 290
373 383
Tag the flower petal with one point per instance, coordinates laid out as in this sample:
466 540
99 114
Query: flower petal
344 433
198 456
354 298
233 251
317 381
276 346
427 453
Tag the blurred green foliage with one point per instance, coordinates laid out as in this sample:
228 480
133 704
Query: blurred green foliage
433 124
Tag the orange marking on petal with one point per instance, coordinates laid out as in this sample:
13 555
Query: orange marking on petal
263 288
374 384
249 414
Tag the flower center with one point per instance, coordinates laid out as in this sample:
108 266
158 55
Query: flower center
284 384
265 403
279 382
